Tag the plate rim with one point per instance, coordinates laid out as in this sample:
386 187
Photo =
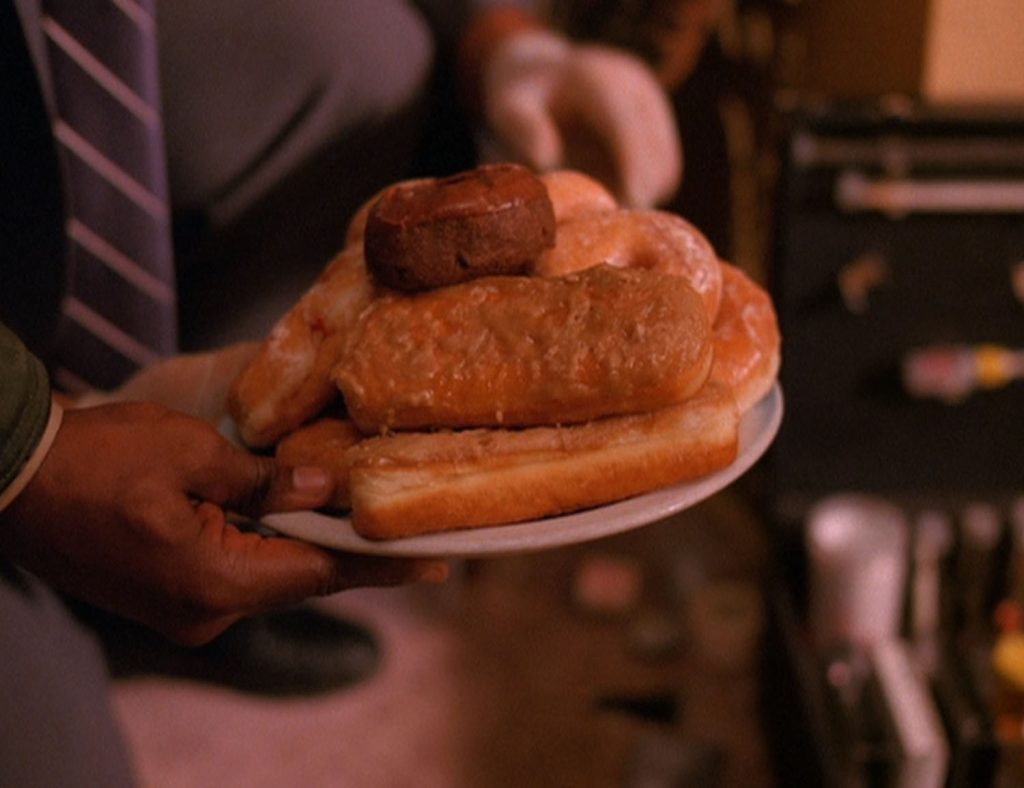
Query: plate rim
758 429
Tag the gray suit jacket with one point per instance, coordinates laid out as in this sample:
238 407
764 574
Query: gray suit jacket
31 193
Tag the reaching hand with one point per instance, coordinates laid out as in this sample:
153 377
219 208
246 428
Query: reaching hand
594 108
129 512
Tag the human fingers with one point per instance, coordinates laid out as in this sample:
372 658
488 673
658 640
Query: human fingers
519 81
523 123
271 570
614 95
236 573
251 484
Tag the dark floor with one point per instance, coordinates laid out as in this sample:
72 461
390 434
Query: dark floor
512 674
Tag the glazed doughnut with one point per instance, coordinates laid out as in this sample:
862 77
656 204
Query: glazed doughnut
415 483
574 194
746 339
288 380
522 351
492 220
657 240
325 444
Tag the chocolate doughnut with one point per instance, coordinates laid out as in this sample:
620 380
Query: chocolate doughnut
423 234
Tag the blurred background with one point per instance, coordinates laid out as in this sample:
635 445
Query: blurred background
849 613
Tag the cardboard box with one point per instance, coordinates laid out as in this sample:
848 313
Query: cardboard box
944 51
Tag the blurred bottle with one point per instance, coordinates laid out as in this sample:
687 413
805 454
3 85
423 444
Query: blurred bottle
1008 660
932 624
933 543
952 373
981 532
858 546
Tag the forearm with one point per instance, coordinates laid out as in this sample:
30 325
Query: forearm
466 31
493 24
449 18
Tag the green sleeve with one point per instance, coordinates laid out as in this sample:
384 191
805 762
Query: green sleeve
24 405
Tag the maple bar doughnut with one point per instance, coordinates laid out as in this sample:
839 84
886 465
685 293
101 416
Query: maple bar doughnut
494 219
746 339
657 240
574 194
521 351
414 483
288 380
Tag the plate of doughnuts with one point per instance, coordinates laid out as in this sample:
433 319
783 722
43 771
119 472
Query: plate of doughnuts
757 430
500 361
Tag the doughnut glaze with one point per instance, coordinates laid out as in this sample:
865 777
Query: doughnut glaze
746 339
518 351
655 240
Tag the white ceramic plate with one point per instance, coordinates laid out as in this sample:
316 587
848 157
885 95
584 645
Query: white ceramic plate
757 430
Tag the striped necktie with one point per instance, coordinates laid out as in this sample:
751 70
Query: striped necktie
118 312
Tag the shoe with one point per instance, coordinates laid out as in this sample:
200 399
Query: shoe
294 652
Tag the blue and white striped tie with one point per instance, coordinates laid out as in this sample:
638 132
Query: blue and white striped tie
119 310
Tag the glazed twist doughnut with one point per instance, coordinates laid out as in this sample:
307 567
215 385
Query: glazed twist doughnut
288 381
746 339
637 239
